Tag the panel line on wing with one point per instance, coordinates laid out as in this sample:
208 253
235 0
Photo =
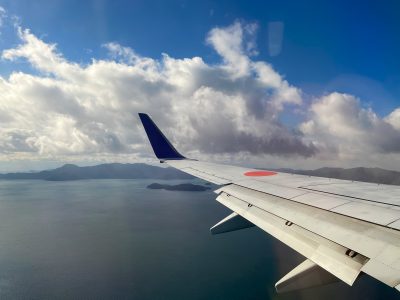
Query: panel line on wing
347 196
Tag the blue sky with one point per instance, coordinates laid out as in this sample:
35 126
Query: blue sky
342 47
323 40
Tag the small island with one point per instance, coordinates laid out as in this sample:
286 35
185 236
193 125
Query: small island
187 187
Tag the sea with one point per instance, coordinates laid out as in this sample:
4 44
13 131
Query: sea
116 239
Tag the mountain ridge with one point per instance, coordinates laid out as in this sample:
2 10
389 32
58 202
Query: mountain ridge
145 171
102 171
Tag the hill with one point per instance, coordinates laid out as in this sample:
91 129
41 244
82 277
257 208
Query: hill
145 171
103 171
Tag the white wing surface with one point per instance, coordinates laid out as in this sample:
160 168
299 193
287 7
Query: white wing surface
343 228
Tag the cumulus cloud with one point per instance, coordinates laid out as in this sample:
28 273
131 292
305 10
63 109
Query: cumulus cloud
229 109
73 109
339 124
42 56
394 118
235 43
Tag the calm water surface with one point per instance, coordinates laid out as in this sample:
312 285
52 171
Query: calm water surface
115 239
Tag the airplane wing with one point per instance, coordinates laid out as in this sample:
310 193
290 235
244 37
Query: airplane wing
343 228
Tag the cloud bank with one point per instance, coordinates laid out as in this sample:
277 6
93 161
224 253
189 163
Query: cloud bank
231 109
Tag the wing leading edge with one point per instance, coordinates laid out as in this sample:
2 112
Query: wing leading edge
350 230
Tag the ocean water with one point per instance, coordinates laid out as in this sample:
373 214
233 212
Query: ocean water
115 239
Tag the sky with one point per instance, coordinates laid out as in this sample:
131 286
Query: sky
293 84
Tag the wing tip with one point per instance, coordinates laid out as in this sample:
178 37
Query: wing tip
162 147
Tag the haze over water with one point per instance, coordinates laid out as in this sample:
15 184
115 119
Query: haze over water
115 239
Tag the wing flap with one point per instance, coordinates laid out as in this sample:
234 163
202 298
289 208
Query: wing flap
362 237
325 253
326 238
385 273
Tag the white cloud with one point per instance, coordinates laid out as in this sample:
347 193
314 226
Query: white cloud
43 56
230 43
236 45
225 110
72 109
394 118
339 124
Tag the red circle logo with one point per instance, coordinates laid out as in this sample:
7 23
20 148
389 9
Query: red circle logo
260 173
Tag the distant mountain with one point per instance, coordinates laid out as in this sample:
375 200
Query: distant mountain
144 171
375 175
103 171
187 187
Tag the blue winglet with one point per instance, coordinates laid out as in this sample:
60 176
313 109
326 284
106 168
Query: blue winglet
163 149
